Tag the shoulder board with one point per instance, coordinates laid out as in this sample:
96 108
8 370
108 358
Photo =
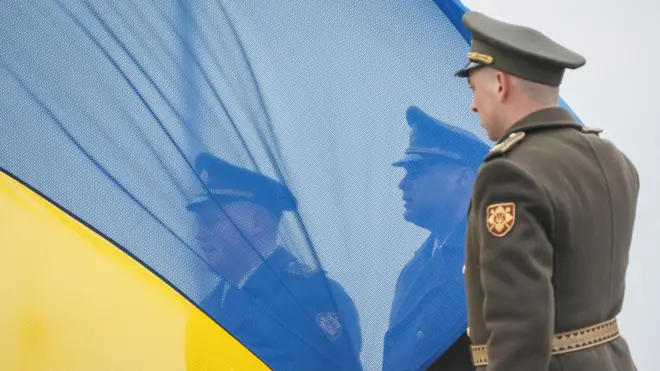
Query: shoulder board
507 144
591 130
297 268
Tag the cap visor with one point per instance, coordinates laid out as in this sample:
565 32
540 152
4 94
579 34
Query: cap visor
197 202
410 158
465 71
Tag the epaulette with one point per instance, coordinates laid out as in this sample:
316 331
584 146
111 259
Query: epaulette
507 144
299 269
592 130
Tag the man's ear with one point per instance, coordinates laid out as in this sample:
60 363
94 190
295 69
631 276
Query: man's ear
503 85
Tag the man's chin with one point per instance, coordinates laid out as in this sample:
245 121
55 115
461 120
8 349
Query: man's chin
412 218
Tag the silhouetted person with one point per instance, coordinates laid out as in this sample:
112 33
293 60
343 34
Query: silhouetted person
290 315
428 319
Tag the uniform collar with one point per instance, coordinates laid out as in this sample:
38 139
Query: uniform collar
546 118
275 259
451 242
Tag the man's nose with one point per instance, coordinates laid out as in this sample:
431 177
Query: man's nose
403 184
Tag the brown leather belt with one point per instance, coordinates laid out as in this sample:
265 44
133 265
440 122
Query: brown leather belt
565 342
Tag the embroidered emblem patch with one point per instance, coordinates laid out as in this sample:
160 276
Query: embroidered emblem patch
329 323
500 218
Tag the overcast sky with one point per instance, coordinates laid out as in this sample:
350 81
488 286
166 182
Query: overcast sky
616 90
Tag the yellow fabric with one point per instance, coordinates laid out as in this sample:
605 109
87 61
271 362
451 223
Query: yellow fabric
72 301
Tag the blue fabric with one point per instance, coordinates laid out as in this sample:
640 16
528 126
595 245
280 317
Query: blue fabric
106 106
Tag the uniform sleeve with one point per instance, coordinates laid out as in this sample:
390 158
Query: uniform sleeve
349 315
516 256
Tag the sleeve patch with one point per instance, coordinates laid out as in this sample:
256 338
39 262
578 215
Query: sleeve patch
500 218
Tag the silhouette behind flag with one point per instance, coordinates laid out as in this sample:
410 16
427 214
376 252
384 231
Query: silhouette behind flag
428 316
268 297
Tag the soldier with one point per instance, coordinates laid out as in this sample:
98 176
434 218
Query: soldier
551 216
428 315
290 315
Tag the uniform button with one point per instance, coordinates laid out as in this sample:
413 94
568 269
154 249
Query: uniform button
468 332
463 269
420 335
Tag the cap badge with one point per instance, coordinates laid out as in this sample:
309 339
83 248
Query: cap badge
479 57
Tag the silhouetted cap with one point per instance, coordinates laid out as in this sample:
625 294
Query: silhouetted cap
517 50
432 140
226 182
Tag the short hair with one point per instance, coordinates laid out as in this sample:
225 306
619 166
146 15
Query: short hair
539 93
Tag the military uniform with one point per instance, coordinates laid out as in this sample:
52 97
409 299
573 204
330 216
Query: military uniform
549 226
428 315
289 315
